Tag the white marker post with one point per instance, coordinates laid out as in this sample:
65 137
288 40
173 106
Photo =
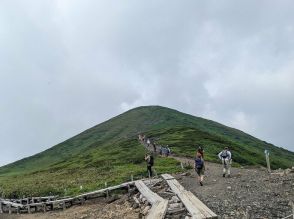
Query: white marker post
182 166
266 152
292 203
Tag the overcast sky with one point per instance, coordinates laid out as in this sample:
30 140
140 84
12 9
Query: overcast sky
68 65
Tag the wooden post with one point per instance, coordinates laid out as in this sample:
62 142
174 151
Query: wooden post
132 178
1 207
44 207
267 160
9 208
29 209
182 166
292 203
63 205
18 210
107 191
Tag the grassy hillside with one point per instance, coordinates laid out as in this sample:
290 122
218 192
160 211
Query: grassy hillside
110 152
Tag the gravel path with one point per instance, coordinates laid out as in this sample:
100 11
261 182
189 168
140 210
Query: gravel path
251 193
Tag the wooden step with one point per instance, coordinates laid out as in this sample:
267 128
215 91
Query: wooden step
196 208
159 205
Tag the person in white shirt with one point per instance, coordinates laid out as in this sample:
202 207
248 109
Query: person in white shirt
226 157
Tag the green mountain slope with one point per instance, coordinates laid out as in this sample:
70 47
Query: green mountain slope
110 152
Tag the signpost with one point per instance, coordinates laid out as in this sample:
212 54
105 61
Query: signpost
266 152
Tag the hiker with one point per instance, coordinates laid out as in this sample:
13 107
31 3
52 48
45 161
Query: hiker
154 147
167 151
140 137
201 151
199 167
150 162
164 151
226 157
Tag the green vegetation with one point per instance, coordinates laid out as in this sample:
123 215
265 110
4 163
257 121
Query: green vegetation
113 164
110 152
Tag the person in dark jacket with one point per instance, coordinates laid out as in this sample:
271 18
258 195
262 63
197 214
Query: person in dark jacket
150 162
199 167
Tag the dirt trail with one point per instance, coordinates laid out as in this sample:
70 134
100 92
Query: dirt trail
249 193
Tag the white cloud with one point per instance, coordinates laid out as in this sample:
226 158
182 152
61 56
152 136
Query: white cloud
68 65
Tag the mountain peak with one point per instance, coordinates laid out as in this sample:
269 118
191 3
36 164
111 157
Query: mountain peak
112 148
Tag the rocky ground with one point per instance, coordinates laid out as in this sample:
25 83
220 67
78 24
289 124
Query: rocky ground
96 209
249 193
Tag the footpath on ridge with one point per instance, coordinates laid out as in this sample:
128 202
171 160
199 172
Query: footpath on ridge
249 193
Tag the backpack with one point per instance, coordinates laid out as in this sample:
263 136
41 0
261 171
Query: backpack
224 154
199 163
151 160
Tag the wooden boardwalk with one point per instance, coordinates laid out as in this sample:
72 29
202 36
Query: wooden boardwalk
34 204
196 208
159 205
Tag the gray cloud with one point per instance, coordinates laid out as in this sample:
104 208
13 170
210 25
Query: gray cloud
68 65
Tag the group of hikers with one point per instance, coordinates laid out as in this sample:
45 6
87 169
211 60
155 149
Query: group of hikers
164 151
225 156
150 144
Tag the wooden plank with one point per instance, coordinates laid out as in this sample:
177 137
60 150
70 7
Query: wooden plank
159 205
195 200
147 193
190 197
200 205
196 208
45 197
158 210
180 192
60 201
12 204
104 190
